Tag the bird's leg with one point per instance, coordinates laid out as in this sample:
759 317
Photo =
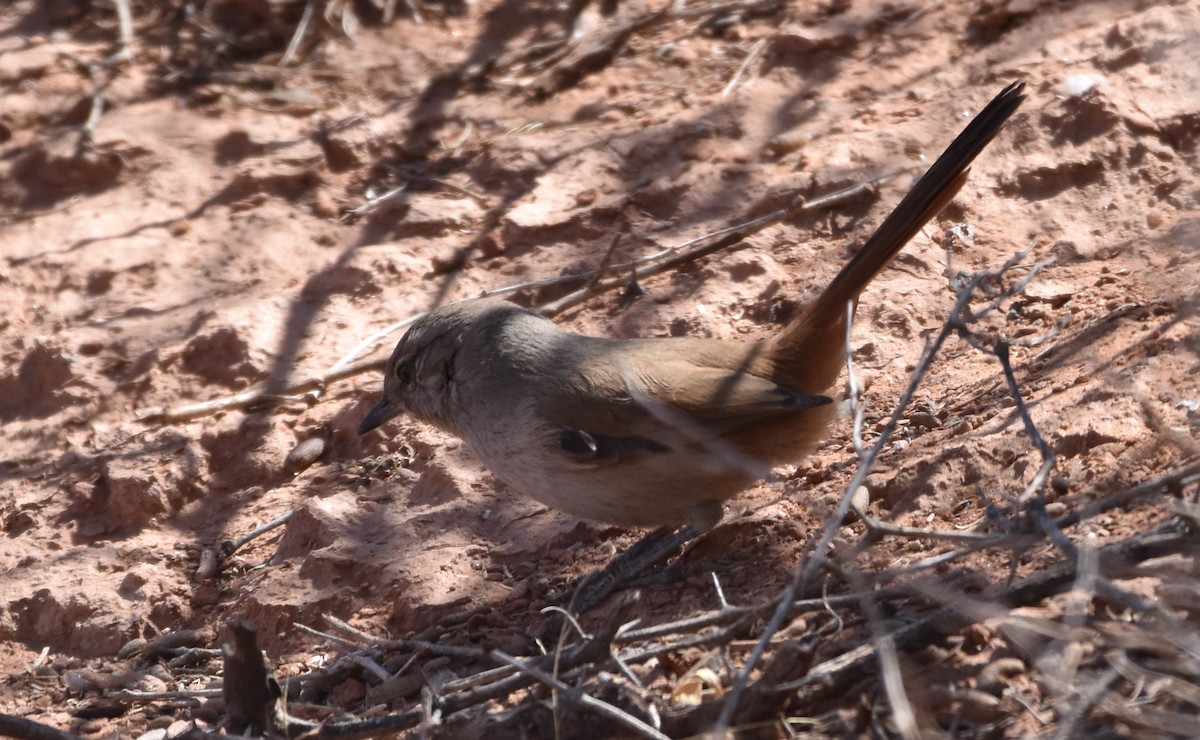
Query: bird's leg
639 559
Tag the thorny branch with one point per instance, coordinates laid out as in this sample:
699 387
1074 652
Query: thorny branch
807 572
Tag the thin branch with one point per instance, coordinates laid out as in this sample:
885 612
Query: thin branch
125 29
806 573
755 51
293 47
229 547
374 202
258 397
422 646
578 696
837 673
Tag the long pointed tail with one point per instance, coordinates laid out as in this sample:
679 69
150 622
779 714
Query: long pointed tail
801 346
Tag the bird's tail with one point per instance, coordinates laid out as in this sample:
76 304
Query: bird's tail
822 322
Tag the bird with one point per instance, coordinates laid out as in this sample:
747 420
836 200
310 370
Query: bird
651 432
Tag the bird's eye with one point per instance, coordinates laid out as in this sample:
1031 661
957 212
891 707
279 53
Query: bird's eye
404 372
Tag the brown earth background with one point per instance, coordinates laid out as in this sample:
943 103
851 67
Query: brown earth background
227 197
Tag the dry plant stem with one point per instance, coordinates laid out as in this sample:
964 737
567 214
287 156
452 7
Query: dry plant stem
722 602
372 340
306 391
123 54
1135 674
293 47
826 678
817 561
889 663
421 646
921 13
889 669
936 561
602 270
624 669
755 51
1117 313
478 198
1082 702
370 666
746 6
741 680
432 648
131 696
229 547
737 613
414 7
1178 437
258 397
1176 480
353 632
878 527
710 641
1147 721
377 727
855 393
336 639
1177 634
589 652
125 28
805 574
577 696
87 132
1037 487
837 674
1001 352
373 203
581 56
874 525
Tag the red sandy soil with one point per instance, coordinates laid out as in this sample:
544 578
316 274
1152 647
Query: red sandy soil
200 239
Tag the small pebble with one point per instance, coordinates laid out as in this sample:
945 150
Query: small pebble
305 454
924 419
1077 85
978 706
860 501
995 675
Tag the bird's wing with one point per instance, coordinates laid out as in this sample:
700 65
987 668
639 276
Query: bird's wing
624 405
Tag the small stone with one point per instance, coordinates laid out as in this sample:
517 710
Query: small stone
924 419
859 501
324 205
304 454
978 706
995 676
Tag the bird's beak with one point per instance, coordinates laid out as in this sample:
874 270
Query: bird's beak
380 414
